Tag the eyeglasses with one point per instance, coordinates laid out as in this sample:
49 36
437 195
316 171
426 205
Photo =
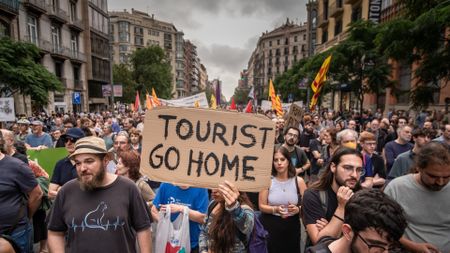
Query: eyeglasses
67 139
351 169
370 143
372 247
292 135
120 142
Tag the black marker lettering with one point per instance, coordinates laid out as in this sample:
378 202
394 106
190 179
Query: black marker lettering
166 128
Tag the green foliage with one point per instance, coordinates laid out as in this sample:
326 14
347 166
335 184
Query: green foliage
122 75
240 96
21 72
420 38
151 69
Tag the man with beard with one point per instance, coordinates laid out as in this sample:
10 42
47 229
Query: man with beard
365 227
324 202
405 161
98 211
298 157
425 197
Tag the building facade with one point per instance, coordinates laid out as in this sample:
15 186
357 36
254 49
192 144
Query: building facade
135 30
73 40
202 77
276 52
312 13
192 68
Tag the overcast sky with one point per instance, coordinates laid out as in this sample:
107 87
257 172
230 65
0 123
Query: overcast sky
224 31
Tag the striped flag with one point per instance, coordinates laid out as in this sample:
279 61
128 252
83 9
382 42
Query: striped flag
321 76
148 102
155 99
137 103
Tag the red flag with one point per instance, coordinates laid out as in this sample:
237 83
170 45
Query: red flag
137 102
233 104
249 107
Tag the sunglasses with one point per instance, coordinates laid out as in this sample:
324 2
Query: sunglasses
73 140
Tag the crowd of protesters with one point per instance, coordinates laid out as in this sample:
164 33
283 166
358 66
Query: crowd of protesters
368 182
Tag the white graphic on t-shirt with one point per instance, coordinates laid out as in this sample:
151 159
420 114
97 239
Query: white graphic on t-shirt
94 220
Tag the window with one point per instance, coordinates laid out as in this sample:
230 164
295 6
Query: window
286 41
356 13
278 42
55 5
56 34
138 30
338 27
4 29
295 49
73 11
32 29
325 9
270 43
74 42
124 37
124 26
123 48
295 38
277 52
138 41
286 51
324 36
304 36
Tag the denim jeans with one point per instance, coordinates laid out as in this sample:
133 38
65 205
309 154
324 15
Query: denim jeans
23 237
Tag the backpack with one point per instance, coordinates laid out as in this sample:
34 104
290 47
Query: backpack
258 237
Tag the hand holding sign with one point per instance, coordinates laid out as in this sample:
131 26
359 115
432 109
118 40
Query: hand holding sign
229 192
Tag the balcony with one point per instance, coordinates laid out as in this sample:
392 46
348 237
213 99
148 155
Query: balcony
391 12
332 42
76 56
56 14
336 8
78 85
63 81
37 6
10 6
77 25
60 52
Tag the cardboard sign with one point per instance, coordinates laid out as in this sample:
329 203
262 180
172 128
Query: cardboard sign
203 148
294 116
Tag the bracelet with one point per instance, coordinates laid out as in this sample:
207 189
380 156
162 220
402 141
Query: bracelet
337 217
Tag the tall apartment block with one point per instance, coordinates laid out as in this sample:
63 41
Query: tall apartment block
135 30
276 51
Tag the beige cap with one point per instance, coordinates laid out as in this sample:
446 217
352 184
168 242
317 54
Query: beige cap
89 145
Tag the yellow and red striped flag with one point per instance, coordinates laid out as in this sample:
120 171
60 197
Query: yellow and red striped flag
314 100
276 102
321 76
148 102
155 99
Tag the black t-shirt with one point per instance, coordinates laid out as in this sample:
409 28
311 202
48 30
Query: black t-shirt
64 172
315 145
104 219
16 181
21 157
312 206
321 246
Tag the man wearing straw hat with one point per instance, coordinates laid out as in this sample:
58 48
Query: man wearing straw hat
98 211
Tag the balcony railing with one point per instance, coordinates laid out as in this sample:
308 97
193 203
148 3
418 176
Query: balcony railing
10 5
76 24
55 13
63 81
36 5
78 85
58 50
76 55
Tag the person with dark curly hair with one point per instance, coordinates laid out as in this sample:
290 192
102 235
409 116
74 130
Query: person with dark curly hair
373 223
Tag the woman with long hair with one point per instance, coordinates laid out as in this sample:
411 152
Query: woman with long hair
280 204
128 166
229 221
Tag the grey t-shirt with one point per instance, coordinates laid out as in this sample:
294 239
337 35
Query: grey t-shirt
102 220
427 212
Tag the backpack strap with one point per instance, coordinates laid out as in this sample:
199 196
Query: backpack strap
324 200
299 195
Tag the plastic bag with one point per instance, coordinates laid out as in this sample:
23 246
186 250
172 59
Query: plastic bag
173 237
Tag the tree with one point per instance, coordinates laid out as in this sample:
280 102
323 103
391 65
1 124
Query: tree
151 69
123 75
20 72
357 62
420 38
241 96
288 82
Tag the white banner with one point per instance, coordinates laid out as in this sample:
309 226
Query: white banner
188 101
267 105
7 109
